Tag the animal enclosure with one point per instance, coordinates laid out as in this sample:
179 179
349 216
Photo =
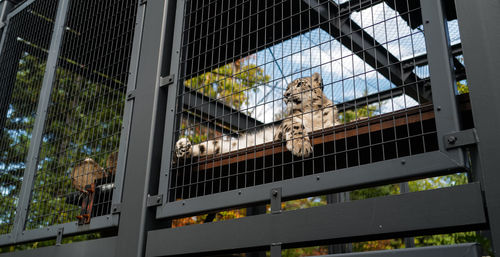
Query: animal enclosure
121 118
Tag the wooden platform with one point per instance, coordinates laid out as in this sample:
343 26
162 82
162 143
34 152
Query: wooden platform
397 134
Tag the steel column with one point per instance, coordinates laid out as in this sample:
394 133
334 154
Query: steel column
172 104
41 113
143 150
441 70
480 37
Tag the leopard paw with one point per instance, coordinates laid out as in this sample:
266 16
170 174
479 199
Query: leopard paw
300 147
183 148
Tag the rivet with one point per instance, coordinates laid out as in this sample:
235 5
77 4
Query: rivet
452 140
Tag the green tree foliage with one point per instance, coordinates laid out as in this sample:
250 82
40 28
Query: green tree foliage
84 120
230 83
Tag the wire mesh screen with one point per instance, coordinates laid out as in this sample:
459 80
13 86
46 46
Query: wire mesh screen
275 90
77 163
22 66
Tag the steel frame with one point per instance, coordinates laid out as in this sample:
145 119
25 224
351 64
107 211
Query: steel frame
19 234
480 39
146 141
447 120
450 209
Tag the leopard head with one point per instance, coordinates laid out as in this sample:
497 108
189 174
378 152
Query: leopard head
303 91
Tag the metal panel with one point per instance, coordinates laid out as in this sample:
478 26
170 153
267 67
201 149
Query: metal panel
460 250
478 22
69 228
83 121
43 103
441 210
104 247
390 171
21 78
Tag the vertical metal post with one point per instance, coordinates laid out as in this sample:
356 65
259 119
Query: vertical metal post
339 198
127 112
172 91
143 158
409 241
41 113
480 37
441 73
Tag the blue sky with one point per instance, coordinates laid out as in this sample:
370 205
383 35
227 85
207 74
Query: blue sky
345 75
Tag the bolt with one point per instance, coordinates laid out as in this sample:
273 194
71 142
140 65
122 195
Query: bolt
380 226
452 140
403 162
183 203
275 193
438 108
239 192
317 177
427 22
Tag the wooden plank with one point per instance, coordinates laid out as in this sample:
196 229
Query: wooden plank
356 128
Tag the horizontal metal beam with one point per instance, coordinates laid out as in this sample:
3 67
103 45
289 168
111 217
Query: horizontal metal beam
214 110
460 250
69 228
356 39
435 211
379 173
104 247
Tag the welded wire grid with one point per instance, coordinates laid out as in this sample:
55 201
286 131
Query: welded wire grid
22 65
238 57
84 120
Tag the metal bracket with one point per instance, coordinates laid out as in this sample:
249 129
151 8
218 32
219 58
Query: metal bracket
60 232
131 95
276 200
116 208
168 80
461 138
276 250
154 200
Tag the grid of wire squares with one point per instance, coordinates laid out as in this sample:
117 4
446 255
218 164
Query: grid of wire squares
84 119
238 58
21 73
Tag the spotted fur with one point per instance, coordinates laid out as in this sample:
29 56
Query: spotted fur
308 110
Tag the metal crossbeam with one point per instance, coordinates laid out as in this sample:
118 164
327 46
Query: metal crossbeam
368 49
441 210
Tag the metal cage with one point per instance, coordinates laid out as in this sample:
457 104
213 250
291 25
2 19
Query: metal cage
111 112
236 61
63 103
